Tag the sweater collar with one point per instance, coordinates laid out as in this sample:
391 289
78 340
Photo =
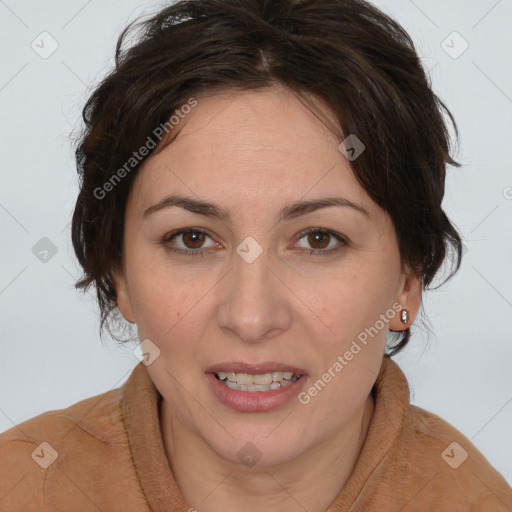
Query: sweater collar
140 405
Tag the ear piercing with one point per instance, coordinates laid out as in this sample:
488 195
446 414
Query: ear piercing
404 315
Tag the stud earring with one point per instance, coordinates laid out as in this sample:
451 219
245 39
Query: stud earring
404 316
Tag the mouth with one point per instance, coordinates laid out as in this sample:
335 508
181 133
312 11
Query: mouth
255 387
259 382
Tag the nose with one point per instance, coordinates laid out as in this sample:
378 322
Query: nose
254 304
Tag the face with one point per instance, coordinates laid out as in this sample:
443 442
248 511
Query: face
257 278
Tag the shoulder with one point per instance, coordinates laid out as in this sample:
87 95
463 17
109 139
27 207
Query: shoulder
61 452
428 464
449 467
94 420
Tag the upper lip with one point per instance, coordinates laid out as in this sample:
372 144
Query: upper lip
253 369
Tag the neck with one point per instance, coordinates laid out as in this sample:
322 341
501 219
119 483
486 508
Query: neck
311 481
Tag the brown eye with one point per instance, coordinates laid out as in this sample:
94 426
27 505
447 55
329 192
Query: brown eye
190 241
193 239
321 241
318 240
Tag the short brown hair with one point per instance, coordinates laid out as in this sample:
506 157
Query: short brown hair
348 53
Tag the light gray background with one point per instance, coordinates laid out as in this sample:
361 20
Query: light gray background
52 356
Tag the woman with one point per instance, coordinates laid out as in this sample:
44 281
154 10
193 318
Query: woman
261 197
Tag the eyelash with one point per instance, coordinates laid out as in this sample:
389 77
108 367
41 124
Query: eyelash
302 234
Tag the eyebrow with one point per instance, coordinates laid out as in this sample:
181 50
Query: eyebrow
290 211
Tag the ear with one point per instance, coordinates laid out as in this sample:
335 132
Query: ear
123 297
409 297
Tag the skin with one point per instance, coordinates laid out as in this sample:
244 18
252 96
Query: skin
253 153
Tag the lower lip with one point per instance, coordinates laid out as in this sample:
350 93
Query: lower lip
255 401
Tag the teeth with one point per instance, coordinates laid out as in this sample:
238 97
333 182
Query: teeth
261 378
265 378
244 378
277 376
259 382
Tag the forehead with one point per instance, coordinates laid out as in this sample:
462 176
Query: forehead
252 147
268 120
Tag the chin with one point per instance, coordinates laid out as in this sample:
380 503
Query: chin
253 447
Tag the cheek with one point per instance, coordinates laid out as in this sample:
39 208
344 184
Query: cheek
172 305
352 302
349 357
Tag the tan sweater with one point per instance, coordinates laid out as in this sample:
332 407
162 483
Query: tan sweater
111 458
